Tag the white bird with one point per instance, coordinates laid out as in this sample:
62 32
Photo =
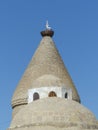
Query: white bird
47 26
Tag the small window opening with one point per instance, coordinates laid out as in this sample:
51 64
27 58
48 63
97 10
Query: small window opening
66 95
35 96
52 94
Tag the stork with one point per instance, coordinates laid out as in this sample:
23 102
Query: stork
47 26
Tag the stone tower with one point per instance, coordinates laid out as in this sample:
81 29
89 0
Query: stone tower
46 98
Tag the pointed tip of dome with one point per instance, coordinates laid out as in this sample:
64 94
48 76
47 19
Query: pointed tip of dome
48 31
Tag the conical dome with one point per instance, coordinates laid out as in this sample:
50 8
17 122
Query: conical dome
46 97
46 61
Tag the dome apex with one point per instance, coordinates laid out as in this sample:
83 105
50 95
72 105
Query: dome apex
47 33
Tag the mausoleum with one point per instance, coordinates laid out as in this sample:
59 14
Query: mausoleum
46 97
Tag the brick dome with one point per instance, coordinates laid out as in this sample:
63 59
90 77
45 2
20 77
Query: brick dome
46 61
54 114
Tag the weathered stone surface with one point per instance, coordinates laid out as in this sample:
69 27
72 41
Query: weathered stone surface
47 69
55 114
46 60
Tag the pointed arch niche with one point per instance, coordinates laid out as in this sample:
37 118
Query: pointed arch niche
35 96
66 95
52 94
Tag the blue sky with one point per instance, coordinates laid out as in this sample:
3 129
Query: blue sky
75 23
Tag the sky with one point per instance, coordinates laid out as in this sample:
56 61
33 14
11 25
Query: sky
75 23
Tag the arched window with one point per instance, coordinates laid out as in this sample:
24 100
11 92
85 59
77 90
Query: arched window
35 96
66 95
52 94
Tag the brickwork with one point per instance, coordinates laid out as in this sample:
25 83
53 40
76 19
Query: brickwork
47 72
46 60
54 112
